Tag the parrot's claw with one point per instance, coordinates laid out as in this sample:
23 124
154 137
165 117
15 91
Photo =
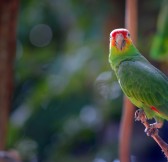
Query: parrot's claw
153 128
151 131
157 124
140 115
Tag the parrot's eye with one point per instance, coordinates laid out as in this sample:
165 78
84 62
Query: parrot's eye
128 35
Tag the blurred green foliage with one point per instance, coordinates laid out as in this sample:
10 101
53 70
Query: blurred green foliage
159 50
57 109
67 102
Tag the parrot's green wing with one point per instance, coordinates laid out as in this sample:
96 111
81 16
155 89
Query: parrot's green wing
146 86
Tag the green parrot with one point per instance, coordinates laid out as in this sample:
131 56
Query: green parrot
144 85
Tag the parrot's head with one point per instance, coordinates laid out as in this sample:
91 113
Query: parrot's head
120 40
121 47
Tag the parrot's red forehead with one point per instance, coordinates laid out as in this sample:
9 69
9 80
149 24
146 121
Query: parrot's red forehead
124 32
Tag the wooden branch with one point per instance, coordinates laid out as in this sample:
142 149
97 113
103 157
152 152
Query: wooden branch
163 145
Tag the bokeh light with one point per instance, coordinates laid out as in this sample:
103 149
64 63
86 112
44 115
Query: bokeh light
41 35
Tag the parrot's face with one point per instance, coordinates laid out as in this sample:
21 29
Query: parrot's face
121 47
120 40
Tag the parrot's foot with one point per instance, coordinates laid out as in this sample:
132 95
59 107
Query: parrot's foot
153 128
140 115
157 124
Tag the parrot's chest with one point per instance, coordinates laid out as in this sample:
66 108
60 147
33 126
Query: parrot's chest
127 89
127 78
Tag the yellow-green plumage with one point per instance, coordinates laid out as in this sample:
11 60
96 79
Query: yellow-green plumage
143 84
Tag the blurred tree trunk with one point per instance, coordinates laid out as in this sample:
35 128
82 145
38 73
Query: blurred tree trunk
126 127
8 19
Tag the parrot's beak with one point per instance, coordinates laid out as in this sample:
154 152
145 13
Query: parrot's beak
120 41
